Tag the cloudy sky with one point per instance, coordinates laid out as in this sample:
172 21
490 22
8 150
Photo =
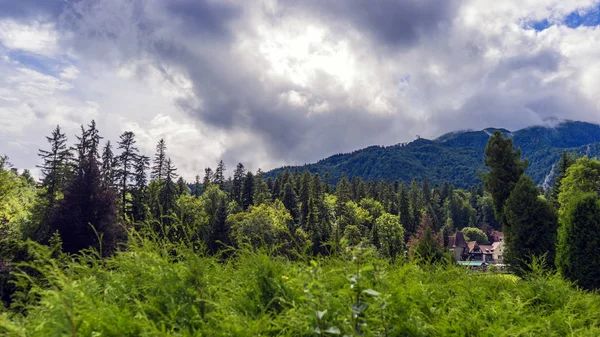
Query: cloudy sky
273 82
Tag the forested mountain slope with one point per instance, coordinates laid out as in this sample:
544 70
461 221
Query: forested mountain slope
458 157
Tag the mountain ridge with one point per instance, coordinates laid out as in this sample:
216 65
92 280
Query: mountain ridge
457 156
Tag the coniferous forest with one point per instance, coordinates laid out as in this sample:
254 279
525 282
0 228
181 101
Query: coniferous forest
114 242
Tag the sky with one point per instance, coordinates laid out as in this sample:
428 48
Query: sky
284 82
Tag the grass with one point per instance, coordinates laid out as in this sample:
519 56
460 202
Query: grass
153 289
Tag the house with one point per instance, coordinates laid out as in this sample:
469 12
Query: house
471 251
496 236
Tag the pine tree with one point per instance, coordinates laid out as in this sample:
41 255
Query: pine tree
182 187
290 200
86 202
506 168
248 191
238 180
125 172
416 202
158 169
305 192
93 139
208 177
343 194
219 177
530 226
197 187
139 197
261 189
169 193
107 170
55 167
405 215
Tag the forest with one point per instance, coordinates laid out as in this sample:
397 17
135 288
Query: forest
111 242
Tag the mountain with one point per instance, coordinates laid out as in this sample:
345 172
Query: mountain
457 157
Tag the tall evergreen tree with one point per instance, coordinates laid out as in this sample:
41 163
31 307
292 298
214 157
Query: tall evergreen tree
139 197
208 178
107 170
506 168
290 200
219 177
248 191
160 158
304 197
55 167
182 187
87 203
169 193
197 187
530 226
343 194
238 180
126 164
405 214
261 188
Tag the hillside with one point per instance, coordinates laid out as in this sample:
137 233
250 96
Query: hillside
458 156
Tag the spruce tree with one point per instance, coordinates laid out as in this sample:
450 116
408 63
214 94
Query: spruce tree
304 197
87 203
197 187
238 180
139 195
159 167
107 170
290 200
530 226
219 177
182 187
169 193
248 191
506 168
55 168
208 177
405 214
343 194
125 172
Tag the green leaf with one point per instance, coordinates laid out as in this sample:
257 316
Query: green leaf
333 330
371 292
320 314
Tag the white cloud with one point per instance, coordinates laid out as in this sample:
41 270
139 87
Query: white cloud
265 84
34 37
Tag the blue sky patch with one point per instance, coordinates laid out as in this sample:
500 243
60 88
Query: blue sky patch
589 18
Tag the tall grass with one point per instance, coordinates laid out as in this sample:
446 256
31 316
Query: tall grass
159 289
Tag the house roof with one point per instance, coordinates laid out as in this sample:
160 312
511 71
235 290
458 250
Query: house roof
486 249
472 245
460 241
497 236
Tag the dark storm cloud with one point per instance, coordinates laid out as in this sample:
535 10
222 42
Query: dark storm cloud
22 9
391 22
204 17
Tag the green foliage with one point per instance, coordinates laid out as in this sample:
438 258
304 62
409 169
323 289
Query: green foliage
530 228
582 177
388 236
153 289
577 255
505 167
262 225
475 234
457 157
